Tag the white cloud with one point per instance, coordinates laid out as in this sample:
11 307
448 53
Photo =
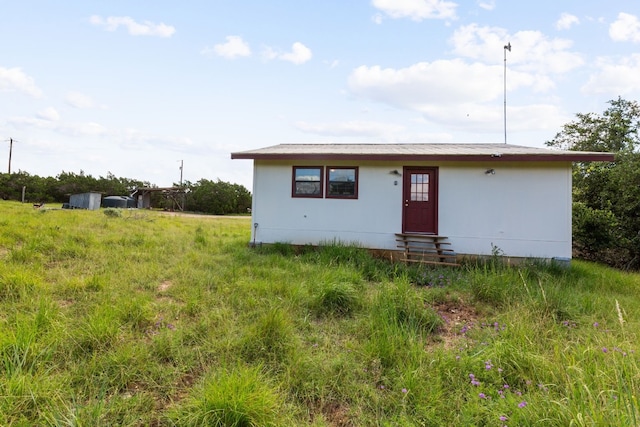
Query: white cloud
417 10
615 78
487 4
145 28
80 129
625 28
79 100
566 21
234 47
351 128
449 92
14 79
333 64
437 83
269 53
50 114
531 51
299 54
48 120
136 139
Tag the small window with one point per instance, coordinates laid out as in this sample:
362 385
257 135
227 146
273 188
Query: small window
419 187
342 182
307 181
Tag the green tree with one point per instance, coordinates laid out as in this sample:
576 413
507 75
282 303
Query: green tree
606 213
218 197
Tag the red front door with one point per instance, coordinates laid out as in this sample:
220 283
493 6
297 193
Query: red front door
420 200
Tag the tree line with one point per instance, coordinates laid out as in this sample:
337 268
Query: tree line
206 196
606 196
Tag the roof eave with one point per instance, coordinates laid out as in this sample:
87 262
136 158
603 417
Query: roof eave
550 157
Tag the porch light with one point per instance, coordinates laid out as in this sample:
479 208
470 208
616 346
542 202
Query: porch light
395 173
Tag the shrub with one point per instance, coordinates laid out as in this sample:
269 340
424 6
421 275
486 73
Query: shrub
593 229
402 305
336 298
113 212
271 338
243 397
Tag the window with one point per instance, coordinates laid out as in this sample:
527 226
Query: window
307 181
342 182
419 187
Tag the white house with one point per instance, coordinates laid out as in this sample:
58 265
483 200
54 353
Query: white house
480 197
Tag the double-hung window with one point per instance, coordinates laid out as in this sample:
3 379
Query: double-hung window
342 182
307 181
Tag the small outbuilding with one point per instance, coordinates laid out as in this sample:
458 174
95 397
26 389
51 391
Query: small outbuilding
462 199
89 201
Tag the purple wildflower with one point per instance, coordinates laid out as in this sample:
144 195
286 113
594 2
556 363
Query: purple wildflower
596 324
404 390
503 418
522 404
604 349
482 396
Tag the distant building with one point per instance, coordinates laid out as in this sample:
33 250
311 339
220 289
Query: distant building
89 201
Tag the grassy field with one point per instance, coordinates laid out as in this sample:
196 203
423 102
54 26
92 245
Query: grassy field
138 319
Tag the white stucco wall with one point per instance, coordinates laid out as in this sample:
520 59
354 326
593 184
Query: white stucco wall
522 209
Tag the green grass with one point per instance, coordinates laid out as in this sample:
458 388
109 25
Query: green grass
140 319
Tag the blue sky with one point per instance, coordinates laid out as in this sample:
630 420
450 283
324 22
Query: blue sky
134 88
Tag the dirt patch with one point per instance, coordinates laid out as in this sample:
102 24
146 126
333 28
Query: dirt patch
164 286
334 413
65 303
458 317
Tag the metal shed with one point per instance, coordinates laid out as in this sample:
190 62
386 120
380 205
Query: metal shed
89 201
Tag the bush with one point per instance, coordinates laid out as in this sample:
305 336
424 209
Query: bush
337 298
593 229
271 339
113 212
243 397
402 305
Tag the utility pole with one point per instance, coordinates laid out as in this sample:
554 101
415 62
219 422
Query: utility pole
184 199
507 47
10 151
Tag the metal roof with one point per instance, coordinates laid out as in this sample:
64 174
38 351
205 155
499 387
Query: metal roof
406 152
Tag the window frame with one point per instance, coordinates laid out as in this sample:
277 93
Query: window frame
353 196
295 194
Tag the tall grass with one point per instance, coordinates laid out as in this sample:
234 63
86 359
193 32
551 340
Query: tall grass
142 319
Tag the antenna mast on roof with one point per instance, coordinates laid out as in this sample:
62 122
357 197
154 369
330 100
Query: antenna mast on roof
507 47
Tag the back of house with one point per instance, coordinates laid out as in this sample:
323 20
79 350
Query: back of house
478 199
